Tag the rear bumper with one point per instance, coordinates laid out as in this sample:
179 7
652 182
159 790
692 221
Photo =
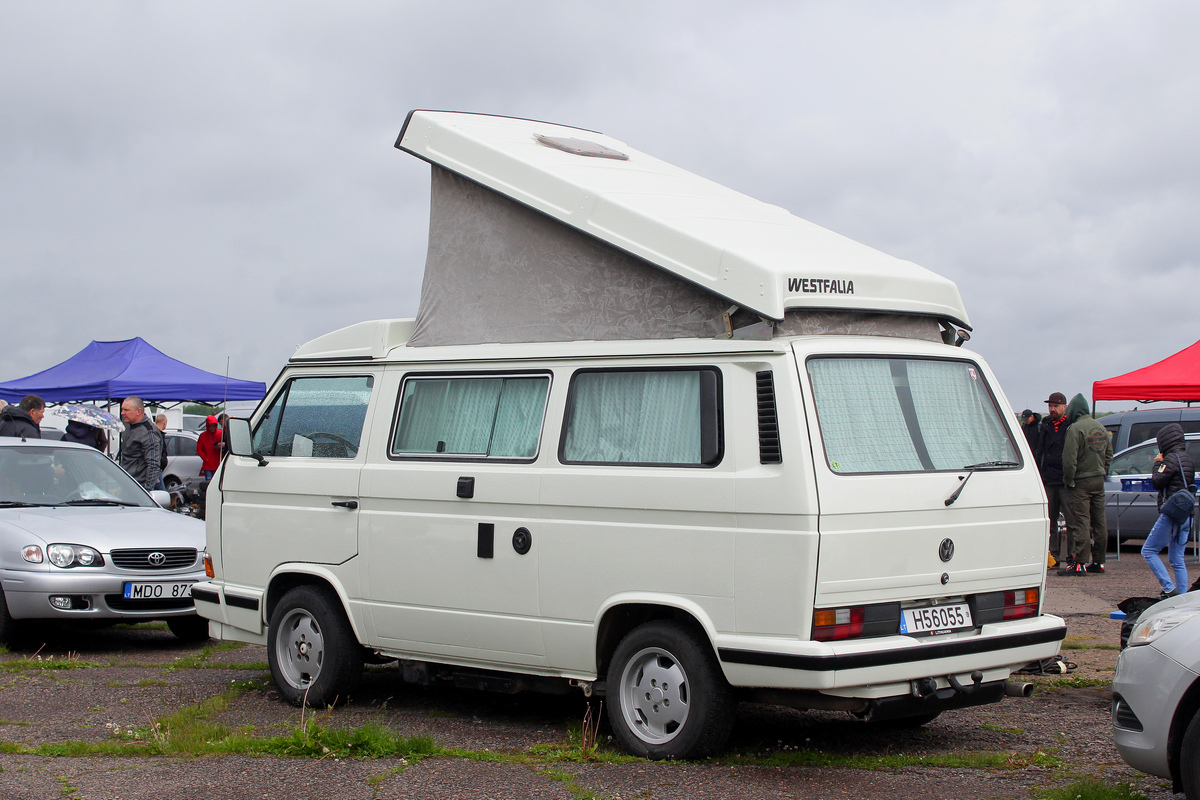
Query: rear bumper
882 667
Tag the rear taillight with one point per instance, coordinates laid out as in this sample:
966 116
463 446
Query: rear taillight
830 624
1021 603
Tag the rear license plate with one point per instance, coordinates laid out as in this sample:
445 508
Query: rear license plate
157 591
935 619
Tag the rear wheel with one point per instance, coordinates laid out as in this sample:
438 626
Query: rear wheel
172 483
667 696
315 659
193 628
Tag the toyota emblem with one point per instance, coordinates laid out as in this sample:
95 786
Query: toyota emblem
946 550
157 559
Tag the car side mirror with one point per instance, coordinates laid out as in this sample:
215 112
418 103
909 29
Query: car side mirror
162 498
240 441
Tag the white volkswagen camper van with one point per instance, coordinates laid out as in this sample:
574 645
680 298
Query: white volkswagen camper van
647 437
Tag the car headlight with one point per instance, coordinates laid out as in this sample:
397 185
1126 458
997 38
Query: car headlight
1147 630
74 555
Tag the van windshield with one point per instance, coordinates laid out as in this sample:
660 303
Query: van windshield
881 414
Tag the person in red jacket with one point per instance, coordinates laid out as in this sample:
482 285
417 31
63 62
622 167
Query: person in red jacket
208 447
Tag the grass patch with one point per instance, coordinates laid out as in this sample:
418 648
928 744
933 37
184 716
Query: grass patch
988 726
36 662
569 783
198 659
816 758
1091 789
1067 644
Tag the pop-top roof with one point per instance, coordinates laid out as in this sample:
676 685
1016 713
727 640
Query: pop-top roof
757 255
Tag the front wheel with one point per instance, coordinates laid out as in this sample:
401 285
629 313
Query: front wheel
1189 760
314 657
667 696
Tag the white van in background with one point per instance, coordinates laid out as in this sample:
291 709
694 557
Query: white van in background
649 438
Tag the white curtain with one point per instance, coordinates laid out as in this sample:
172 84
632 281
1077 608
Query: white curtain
861 421
498 417
635 418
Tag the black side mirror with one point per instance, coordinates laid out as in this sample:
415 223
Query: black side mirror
240 441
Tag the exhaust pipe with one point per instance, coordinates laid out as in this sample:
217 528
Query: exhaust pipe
1013 689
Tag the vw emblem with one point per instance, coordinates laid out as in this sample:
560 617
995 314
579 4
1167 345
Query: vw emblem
946 550
157 559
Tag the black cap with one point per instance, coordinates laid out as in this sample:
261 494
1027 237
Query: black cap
1057 397
1027 413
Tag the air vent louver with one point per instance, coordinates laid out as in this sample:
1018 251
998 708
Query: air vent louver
769 451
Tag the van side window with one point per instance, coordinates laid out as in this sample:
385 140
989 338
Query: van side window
471 416
645 417
880 414
315 418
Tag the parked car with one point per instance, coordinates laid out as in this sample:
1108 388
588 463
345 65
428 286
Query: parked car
1156 694
1134 427
1131 502
81 540
182 461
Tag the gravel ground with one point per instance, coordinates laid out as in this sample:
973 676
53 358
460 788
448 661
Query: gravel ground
141 678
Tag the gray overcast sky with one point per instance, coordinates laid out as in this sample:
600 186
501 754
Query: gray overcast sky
236 158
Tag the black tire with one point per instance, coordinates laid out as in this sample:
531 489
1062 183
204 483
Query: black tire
1189 760
667 697
193 628
314 657
172 483
8 625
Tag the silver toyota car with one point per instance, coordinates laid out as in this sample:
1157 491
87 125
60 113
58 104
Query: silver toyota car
81 540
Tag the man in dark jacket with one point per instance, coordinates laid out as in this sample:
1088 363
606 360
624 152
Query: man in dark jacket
1173 470
1087 455
141 444
1052 433
24 419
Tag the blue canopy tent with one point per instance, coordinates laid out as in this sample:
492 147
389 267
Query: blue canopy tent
116 370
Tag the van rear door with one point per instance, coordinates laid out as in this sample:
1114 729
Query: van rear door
927 493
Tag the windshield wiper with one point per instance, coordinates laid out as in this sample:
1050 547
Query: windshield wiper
21 504
97 502
972 468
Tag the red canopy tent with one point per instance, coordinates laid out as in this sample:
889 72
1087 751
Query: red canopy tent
1175 378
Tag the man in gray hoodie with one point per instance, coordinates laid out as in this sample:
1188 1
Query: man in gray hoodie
1087 455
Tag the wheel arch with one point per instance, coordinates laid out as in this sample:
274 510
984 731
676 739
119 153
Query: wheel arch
290 576
623 615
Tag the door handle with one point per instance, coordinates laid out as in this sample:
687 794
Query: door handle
350 504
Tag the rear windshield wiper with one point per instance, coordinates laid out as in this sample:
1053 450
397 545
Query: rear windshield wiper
972 468
98 502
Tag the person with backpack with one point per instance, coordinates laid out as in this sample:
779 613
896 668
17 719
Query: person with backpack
1173 472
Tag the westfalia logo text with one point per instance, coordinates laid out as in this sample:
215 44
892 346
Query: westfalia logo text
819 286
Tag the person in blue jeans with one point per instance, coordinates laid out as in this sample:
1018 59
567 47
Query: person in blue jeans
1173 470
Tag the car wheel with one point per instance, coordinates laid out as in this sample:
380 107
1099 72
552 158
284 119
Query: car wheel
193 628
172 483
8 625
314 657
667 696
1189 760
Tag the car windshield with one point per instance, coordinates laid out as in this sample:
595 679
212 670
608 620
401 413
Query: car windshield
51 476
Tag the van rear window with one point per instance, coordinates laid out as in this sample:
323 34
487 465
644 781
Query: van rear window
880 414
